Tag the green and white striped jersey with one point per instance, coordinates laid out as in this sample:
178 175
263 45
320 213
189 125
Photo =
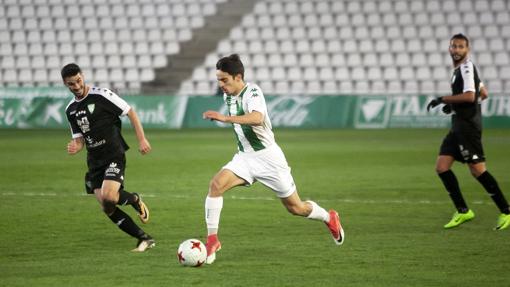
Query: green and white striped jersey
250 138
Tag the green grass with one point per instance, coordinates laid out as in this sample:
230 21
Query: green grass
382 182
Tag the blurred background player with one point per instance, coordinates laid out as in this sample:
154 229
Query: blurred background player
93 115
464 140
259 157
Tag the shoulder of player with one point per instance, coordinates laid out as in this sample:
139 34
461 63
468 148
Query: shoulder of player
71 102
101 92
253 90
467 67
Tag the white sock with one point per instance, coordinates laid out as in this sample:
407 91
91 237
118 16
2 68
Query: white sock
213 207
318 213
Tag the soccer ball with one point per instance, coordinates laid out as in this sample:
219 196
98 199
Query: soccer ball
192 252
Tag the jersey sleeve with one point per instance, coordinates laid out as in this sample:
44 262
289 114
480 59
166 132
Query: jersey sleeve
75 129
116 104
468 75
255 101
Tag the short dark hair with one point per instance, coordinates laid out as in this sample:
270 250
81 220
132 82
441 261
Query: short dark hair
70 70
232 65
460 36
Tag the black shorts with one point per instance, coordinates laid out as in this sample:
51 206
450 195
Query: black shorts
112 169
465 148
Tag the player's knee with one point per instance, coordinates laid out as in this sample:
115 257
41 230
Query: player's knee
476 172
215 188
441 168
109 206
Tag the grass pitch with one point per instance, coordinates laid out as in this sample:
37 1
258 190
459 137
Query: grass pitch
382 182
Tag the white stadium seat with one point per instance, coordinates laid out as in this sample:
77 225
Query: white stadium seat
367 45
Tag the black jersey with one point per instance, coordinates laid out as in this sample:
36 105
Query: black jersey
96 119
466 116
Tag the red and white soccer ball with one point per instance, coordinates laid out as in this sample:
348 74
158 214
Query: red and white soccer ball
192 252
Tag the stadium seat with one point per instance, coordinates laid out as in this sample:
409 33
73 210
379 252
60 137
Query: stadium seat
313 88
423 73
498 5
297 88
358 73
35 48
394 86
342 73
497 45
294 74
8 62
326 74
263 74
345 87
502 18
330 87
322 38
306 60
374 73
25 76
402 60
275 60
132 75
38 62
502 59
411 87
290 60
373 20
490 73
407 74
281 88
116 75
310 74
84 61
494 85
113 61
159 61
322 60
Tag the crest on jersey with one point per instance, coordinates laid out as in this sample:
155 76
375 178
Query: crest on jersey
91 107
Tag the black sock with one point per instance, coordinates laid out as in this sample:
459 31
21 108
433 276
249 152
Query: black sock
452 186
126 224
491 186
126 198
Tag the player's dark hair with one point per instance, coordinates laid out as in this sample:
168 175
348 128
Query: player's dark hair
70 70
232 65
461 37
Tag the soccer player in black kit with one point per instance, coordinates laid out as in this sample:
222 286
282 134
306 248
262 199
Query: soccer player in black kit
463 142
93 116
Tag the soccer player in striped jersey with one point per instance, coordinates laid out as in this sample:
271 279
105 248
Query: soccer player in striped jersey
259 157
463 142
93 116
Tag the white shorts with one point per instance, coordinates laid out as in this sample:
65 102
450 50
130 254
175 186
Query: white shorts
268 166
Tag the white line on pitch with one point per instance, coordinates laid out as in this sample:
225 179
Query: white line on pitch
235 197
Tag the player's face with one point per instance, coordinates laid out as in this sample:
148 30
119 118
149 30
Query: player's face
76 85
458 50
231 85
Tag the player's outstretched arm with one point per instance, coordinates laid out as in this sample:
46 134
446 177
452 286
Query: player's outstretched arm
144 146
75 146
253 119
